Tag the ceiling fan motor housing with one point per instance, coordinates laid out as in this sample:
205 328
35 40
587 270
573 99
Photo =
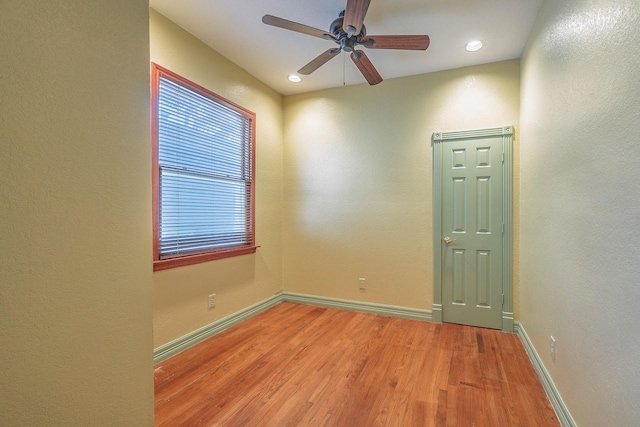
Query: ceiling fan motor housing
346 43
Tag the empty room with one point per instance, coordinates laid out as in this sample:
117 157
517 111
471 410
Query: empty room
420 234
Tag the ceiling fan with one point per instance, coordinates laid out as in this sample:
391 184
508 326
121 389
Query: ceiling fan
348 31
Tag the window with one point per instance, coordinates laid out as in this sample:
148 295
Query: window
203 173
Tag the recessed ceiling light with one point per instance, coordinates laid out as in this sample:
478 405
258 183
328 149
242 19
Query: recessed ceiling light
474 45
294 78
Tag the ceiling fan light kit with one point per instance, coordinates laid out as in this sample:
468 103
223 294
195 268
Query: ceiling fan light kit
348 32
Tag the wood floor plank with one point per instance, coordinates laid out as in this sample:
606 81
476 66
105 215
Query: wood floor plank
300 365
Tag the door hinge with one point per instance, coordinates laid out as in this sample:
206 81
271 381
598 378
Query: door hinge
502 299
502 157
503 228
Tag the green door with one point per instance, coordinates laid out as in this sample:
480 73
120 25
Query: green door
471 240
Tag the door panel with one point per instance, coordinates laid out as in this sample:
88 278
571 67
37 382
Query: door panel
459 204
472 219
458 279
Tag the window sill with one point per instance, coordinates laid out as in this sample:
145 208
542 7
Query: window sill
166 264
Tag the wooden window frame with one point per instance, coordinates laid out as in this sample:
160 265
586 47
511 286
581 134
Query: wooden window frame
158 72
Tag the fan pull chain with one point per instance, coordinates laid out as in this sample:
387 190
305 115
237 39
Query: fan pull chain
344 67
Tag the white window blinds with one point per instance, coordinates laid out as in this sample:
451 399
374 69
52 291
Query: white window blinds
204 173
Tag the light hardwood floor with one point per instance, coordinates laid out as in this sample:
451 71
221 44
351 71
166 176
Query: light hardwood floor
301 365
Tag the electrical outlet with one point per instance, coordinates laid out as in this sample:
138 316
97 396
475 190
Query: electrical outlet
212 300
552 348
362 283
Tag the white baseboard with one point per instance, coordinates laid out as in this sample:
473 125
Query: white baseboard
565 418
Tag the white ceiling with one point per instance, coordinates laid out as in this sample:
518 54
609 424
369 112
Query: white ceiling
235 29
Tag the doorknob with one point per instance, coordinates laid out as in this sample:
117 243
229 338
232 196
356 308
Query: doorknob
448 240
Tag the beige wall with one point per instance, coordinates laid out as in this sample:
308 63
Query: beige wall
357 179
580 197
180 294
75 218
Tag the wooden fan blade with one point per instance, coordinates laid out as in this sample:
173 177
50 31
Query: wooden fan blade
295 26
354 15
318 61
366 67
396 42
